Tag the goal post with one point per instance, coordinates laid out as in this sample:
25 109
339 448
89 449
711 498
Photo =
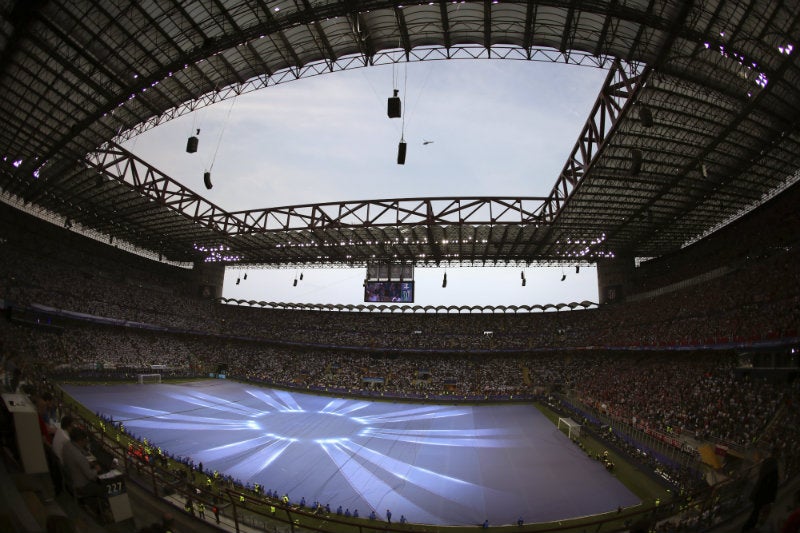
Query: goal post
148 378
573 428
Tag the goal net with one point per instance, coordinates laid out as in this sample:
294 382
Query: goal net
149 378
573 428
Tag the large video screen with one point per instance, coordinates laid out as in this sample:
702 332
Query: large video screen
389 291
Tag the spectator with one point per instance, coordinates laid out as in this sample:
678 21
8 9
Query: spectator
764 492
82 474
62 437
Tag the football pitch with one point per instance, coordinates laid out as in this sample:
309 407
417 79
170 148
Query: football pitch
433 464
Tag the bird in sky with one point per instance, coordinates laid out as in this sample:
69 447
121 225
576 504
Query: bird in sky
424 142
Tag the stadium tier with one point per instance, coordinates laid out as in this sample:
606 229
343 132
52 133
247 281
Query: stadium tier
748 301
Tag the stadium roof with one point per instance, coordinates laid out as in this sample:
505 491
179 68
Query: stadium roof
697 121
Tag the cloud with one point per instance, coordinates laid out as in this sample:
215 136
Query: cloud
499 128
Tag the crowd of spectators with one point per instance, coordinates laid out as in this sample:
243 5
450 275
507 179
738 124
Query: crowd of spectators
702 395
757 300
705 396
761 302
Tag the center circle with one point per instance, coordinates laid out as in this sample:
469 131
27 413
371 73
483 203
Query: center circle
309 426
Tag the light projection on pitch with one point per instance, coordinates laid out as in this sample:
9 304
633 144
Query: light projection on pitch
436 464
360 440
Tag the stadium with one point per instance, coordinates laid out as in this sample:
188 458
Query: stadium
668 404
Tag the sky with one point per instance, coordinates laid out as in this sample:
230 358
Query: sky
472 128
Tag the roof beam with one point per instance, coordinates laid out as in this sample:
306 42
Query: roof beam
325 48
618 91
405 39
487 27
747 160
394 212
445 24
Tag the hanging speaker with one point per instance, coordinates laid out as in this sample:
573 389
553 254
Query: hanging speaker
207 180
393 106
191 144
636 162
401 153
645 116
